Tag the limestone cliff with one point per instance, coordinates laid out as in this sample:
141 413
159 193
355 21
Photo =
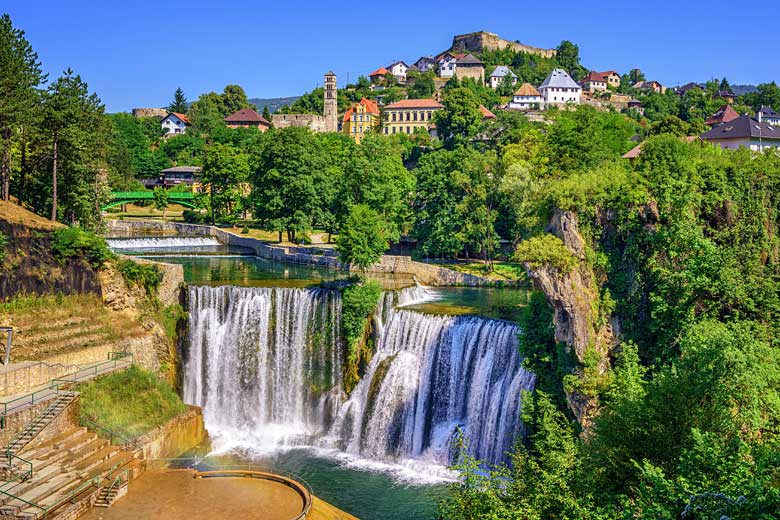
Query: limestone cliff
574 298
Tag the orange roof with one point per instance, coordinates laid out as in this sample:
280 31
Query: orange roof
486 114
415 103
182 117
381 71
723 115
371 106
526 89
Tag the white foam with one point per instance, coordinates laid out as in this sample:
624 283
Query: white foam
158 243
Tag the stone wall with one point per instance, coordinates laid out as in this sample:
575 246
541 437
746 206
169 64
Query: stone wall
23 377
149 112
177 436
315 122
482 40
16 422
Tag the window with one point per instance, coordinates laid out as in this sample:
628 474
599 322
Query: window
394 116
415 116
408 130
393 129
385 130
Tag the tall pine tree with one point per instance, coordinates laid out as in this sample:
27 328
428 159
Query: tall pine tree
179 104
20 75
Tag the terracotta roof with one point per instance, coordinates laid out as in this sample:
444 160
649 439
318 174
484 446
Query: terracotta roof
743 127
637 150
180 116
723 115
246 115
371 108
526 89
415 103
381 71
486 114
595 76
609 73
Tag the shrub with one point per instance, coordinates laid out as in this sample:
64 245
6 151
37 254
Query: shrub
358 302
147 276
547 250
194 216
75 242
245 230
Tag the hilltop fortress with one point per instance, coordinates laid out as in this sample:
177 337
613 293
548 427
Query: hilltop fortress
482 40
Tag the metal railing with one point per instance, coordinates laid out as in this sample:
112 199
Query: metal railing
57 385
17 478
33 424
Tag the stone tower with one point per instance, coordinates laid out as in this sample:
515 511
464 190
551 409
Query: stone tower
331 104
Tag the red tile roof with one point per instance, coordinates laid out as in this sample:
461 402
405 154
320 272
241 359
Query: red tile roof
246 115
414 103
486 114
381 71
182 117
723 115
595 76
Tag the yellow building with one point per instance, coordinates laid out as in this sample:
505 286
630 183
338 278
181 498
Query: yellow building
407 115
361 118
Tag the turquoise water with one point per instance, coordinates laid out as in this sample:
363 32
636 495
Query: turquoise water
364 494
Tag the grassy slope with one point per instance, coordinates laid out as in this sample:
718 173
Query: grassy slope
130 403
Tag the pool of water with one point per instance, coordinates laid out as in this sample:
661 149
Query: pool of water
366 494
504 303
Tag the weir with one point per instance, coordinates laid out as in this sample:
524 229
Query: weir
266 366
161 242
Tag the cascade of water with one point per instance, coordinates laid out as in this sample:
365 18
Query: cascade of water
267 363
158 242
264 362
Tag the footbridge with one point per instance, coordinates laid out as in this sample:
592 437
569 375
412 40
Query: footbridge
186 199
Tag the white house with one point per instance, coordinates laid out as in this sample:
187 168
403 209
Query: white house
175 123
499 74
559 89
744 132
768 116
398 69
447 63
526 98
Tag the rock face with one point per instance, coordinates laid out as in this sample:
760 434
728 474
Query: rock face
30 268
153 349
574 299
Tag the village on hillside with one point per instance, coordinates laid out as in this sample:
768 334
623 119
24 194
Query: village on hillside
403 98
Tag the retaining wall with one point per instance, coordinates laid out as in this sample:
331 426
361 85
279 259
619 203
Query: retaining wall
16 422
177 436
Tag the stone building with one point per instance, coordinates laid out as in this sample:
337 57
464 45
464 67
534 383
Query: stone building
328 122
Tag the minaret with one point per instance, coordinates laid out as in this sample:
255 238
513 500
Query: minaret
331 108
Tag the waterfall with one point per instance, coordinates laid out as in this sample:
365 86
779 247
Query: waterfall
264 362
266 365
155 243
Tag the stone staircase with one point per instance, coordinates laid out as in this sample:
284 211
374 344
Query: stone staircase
45 418
71 470
110 493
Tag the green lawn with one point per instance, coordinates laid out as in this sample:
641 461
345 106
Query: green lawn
502 271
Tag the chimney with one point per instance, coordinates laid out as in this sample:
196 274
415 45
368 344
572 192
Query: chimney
759 114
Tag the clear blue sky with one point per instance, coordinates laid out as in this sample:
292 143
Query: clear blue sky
135 53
